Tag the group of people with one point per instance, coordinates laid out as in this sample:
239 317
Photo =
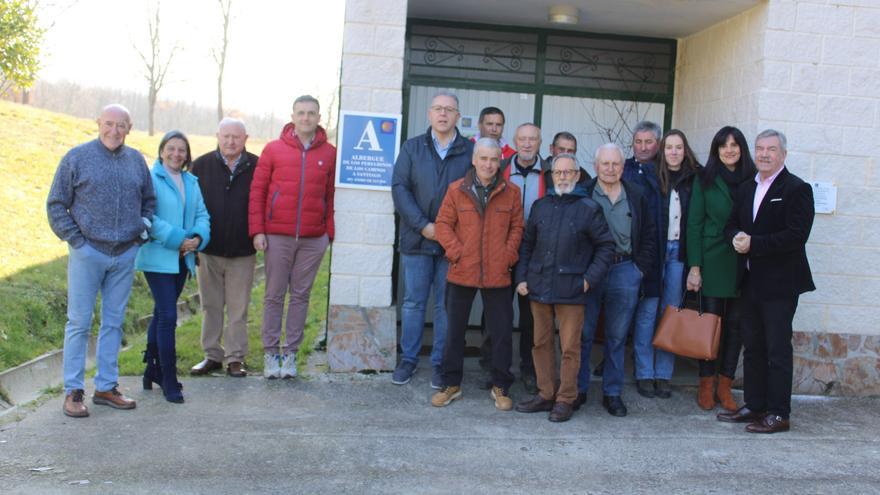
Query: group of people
476 215
646 233
185 217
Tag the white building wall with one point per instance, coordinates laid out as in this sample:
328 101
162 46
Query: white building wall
372 78
362 324
810 69
826 100
719 78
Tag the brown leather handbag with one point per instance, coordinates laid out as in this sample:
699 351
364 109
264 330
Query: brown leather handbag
689 332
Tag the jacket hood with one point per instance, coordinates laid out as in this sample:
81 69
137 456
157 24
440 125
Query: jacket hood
289 137
159 168
686 174
580 190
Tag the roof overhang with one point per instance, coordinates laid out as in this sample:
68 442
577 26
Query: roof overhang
651 18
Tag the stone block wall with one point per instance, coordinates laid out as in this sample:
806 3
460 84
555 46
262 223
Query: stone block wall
836 364
361 327
812 70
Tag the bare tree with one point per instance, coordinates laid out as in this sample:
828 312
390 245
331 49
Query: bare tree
618 129
219 54
624 115
155 68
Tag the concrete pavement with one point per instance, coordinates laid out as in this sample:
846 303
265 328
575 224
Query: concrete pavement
361 434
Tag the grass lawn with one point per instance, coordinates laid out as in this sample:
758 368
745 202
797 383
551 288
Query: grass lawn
33 262
189 349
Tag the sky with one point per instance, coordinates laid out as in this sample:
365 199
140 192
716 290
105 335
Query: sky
277 50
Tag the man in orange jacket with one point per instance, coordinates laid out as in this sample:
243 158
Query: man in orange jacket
480 225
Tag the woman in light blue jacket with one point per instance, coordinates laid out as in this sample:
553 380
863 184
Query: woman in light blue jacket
180 227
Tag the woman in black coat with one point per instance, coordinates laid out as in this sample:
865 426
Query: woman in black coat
677 169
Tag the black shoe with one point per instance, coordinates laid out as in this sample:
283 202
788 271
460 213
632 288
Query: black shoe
560 413
741 415
535 404
662 389
152 371
171 388
581 400
530 382
645 388
599 370
614 405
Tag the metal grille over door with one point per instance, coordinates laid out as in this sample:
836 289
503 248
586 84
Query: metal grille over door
609 64
532 61
472 54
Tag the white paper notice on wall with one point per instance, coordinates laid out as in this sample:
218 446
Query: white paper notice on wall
824 197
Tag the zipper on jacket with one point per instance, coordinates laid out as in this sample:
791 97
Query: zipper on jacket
302 186
483 226
272 204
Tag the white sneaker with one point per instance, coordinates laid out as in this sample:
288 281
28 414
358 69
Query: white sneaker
271 368
288 366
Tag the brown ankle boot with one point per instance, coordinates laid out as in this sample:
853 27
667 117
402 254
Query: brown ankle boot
724 395
705 395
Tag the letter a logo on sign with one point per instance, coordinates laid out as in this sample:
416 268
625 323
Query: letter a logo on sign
368 136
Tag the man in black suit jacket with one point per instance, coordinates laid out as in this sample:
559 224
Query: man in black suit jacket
769 227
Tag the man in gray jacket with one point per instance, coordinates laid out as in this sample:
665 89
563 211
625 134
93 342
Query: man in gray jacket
100 203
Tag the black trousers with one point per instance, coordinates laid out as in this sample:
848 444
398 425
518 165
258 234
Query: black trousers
498 313
526 329
730 310
767 352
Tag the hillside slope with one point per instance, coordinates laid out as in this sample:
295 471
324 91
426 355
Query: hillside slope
31 145
33 261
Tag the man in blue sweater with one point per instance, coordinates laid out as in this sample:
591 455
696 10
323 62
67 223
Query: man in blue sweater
99 203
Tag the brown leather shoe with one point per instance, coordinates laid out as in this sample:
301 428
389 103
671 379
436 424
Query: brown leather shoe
205 367
236 369
741 415
535 404
74 406
561 412
114 399
770 423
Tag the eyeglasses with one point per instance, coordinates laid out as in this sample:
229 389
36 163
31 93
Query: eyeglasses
441 109
564 173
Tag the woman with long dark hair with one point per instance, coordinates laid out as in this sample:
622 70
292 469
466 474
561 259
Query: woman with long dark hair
180 227
713 260
677 168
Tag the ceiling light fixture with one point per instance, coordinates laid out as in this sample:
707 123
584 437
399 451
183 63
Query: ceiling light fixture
563 14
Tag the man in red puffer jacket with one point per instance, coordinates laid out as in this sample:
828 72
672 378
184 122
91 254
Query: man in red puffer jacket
290 217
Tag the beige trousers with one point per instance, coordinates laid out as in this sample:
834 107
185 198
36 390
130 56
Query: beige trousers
571 320
225 282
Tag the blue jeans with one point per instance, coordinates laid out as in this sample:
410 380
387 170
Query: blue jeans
420 272
643 336
673 275
619 293
166 289
88 272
